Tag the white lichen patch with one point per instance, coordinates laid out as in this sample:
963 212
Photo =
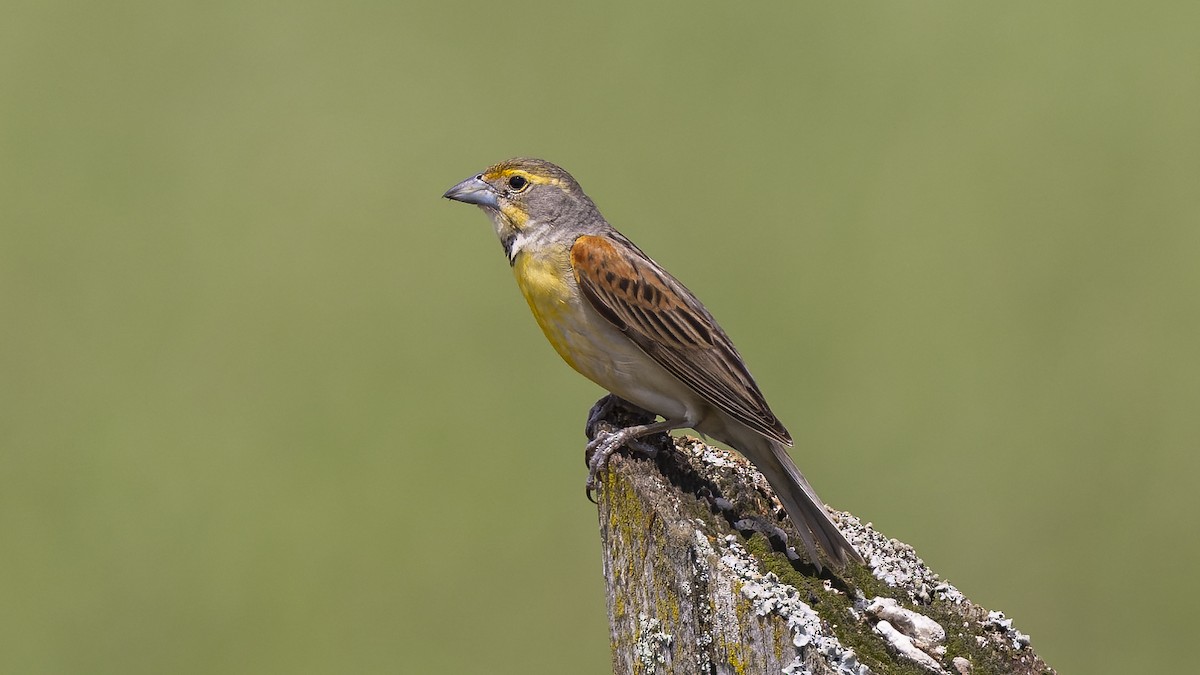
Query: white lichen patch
652 642
712 456
910 634
927 634
997 622
703 576
768 595
894 562
903 645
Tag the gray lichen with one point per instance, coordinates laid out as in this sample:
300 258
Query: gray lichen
768 595
652 642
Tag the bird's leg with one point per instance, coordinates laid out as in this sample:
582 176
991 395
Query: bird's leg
612 413
599 414
608 442
614 422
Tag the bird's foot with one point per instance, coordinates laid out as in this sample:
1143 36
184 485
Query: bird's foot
598 452
607 443
612 413
614 423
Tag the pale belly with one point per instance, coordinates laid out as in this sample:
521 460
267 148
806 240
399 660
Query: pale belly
595 348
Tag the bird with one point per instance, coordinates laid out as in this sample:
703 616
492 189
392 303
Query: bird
621 320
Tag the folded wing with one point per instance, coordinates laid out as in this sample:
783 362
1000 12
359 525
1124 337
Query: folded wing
667 322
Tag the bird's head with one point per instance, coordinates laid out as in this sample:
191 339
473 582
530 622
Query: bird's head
523 196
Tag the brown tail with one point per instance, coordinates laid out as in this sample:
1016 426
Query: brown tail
803 507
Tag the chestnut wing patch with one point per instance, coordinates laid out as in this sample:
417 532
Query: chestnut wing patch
668 323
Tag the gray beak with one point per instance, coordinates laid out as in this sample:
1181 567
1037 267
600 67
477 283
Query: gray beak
473 191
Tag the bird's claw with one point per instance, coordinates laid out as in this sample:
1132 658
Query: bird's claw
598 452
612 423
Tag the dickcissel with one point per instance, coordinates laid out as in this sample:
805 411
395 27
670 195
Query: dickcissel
622 321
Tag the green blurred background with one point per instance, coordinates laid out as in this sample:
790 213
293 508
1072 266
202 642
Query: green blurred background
269 405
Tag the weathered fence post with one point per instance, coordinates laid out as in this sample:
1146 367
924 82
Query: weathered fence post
700 580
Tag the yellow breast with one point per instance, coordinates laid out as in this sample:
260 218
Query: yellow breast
549 287
587 342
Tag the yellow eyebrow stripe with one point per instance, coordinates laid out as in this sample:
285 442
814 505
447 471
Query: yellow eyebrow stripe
534 178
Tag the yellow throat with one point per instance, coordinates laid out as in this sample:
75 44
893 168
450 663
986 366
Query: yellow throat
548 284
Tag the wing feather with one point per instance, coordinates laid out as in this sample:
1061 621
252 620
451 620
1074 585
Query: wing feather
667 322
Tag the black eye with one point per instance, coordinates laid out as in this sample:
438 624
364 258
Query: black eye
517 183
